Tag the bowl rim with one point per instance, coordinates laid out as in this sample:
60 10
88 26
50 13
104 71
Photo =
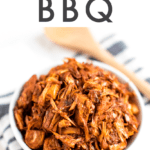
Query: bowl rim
104 66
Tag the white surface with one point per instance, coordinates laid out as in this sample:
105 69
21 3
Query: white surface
136 143
25 56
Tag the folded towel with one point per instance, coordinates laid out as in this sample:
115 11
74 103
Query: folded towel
116 46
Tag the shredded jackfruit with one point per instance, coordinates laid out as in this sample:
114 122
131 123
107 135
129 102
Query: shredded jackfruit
76 106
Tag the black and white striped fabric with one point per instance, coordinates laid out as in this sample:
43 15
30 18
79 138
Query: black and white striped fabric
117 48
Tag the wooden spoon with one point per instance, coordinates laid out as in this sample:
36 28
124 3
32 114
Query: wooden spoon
81 40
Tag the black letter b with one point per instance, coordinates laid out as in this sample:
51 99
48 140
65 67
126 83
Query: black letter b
65 9
41 9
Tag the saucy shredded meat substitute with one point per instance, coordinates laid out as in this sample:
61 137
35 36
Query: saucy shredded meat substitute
76 106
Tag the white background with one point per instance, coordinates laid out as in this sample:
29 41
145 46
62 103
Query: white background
22 47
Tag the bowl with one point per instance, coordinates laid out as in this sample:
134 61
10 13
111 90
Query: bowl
133 142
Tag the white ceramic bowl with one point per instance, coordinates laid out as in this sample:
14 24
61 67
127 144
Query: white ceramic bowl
132 143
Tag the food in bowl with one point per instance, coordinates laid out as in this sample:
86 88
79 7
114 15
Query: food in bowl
76 106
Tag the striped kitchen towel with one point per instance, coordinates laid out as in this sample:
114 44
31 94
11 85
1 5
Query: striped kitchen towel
116 46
